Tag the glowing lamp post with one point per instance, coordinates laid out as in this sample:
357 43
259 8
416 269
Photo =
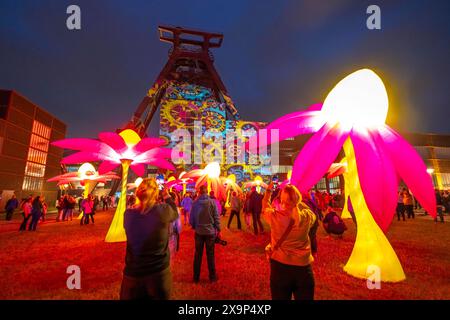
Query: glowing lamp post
125 149
353 117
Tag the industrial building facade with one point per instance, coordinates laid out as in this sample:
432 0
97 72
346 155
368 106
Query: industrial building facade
27 159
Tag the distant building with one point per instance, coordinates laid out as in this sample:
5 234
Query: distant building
27 159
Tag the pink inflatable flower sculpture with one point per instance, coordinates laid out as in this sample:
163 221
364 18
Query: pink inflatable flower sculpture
353 116
126 149
181 181
209 175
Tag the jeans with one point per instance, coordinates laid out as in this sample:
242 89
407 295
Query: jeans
400 211
207 241
440 214
287 280
257 222
157 286
34 221
410 210
68 212
23 226
234 213
85 218
9 214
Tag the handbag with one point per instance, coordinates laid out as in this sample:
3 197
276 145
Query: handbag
269 250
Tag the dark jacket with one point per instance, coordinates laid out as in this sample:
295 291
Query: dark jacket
255 202
204 216
148 239
11 204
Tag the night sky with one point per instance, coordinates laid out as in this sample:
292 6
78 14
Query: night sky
277 56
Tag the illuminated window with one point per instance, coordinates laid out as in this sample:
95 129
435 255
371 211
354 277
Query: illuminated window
37 157
322 185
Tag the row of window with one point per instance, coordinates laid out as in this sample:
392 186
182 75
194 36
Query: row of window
37 157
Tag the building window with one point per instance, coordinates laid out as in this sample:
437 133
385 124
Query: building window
322 185
37 157
334 184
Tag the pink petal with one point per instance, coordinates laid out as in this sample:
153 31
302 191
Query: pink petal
377 176
336 169
148 143
114 140
193 173
64 176
315 107
138 168
288 126
201 181
84 156
152 154
411 168
317 155
107 166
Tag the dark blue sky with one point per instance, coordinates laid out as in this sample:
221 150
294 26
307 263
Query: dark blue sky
277 56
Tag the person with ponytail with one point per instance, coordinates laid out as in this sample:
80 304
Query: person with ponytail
289 251
147 272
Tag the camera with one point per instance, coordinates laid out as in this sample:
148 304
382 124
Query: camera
221 241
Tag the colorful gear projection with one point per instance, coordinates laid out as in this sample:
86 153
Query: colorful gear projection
184 103
239 171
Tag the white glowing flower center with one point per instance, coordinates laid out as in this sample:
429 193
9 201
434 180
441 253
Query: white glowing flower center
359 99
212 170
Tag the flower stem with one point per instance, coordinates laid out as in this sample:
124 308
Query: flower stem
116 232
372 250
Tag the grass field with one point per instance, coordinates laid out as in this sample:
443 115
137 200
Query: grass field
33 265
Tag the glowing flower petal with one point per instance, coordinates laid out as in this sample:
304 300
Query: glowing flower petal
154 153
138 168
288 126
336 169
64 176
107 166
317 155
148 143
377 176
195 173
84 156
78 144
114 140
411 168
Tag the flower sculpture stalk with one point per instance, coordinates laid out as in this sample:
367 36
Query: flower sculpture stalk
182 180
353 116
125 149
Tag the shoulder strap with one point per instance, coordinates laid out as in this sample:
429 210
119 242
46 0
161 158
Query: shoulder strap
285 234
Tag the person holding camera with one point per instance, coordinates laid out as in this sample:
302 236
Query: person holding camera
289 251
204 219
147 261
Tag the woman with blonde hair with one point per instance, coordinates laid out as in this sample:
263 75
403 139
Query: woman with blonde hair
289 251
147 261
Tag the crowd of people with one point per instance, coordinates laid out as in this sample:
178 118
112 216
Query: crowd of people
293 219
153 216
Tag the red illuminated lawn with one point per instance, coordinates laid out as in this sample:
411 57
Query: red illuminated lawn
33 265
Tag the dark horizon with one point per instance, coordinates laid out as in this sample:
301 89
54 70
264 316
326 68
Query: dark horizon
274 59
